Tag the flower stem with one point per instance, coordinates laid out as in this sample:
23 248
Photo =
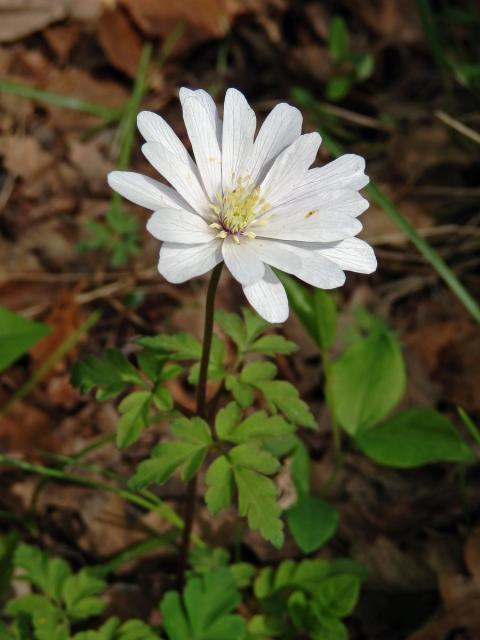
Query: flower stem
191 496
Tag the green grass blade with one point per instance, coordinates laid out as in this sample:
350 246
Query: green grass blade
59 100
129 119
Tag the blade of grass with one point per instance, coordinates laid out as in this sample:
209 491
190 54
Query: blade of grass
166 512
391 210
51 361
129 118
469 423
458 126
60 100
131 553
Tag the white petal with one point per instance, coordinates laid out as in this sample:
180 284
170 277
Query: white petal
305 200
210 106
289 168
154 129
316 269
242 260
205 145
318 226
238 131
346 172
276 254
179 174
351 254
268 297
180 262
281 127
177 225
302 260
144 191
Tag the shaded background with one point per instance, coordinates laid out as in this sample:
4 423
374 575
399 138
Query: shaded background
396 81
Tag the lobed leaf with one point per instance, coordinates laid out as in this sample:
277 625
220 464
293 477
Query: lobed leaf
203 611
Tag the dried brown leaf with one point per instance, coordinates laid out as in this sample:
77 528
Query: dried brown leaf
113 28
160 18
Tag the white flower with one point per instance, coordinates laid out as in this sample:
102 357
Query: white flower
250 201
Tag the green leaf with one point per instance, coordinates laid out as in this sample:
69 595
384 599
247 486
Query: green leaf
227 419
189 451
326 316
282 396
8 546
259 426
249 466
364 66
337 596
243 573
254 325
151 363
243 393
180 346
79 593
338 87
29 604
135 411
257 371
108 631
17 336
331 629
301 301
216 369
257 501
58 571
206 559
312 522
251 456
203 612
220 483
136 630
300 468
111 374
272 344
413 438
338 39
233 326
261 627
50 625
35 564
162 398
307 575
367 381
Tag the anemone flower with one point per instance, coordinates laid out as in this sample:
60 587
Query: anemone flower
250 201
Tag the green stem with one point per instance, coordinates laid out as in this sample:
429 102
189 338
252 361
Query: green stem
191 496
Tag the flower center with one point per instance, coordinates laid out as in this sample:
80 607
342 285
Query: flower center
238 209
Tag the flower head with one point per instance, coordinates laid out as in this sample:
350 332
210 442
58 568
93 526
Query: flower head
251 201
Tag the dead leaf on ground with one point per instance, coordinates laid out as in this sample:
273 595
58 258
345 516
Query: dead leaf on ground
62 38
161 18
64 319
25 430
379 228
392 18
20 18
429 340
89 160
113 28
23 156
